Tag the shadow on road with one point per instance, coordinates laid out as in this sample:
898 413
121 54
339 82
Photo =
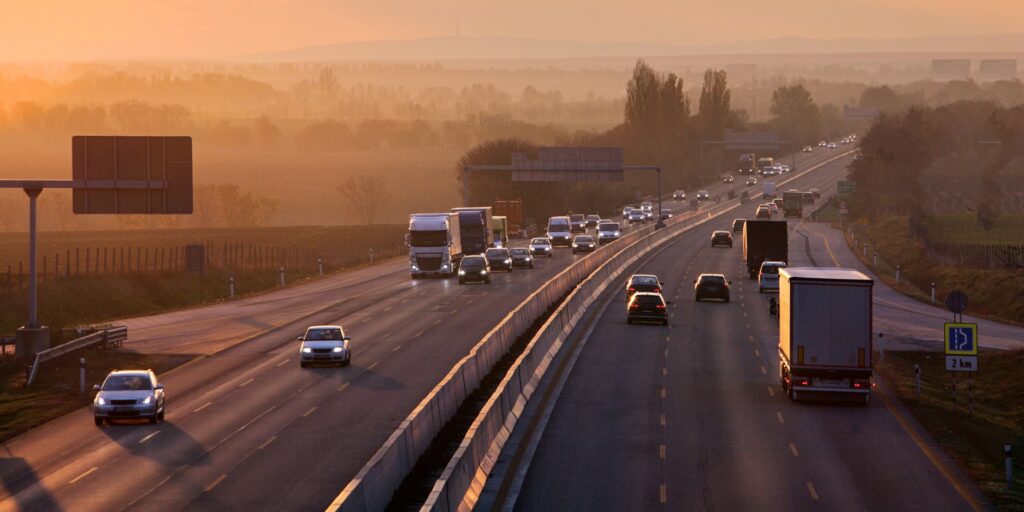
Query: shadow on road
17 476
170 447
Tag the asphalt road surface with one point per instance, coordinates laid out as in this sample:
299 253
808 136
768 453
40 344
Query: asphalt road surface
692 416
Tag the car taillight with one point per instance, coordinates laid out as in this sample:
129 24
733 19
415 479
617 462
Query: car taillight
659 306
657 290
802 382
632 289
861 384
634 306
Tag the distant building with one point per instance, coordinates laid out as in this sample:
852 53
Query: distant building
998 69
951 69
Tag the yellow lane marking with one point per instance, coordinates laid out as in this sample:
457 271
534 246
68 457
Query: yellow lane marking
215 483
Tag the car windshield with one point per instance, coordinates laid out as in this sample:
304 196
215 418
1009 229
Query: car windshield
608 227
475 262
645 280
540 241
712 280
520 252
497 253
576 217
437 238
593 217
323 334
558 225
771 269
128 383
584 239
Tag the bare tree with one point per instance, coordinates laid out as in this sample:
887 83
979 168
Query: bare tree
366 195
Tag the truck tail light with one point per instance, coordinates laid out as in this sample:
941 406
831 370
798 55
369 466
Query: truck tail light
634 306
862 384
801 381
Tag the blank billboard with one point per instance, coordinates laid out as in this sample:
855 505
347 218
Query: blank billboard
131 174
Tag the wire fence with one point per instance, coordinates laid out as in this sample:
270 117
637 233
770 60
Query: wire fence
976 254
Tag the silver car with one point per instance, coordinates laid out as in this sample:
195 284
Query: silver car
324 344
129 394
540 246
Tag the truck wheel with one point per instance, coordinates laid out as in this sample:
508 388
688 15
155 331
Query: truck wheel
98 420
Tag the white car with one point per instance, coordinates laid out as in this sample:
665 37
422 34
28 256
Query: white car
625 212
129 394
636 216
702 195
324 344
540 246
784 168
822 143
768 276
608 232
647 211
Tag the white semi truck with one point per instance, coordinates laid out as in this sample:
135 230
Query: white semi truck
435 244
825 333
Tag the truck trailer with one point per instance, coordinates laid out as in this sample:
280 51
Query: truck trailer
825 333
435 247
764 240
476 224
792 203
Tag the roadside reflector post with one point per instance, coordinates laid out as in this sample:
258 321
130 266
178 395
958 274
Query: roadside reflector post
81 376
281 270
881 348
897 273
954 387
231 287
876 259
933 292
1008 450
865 249
320 266
917 379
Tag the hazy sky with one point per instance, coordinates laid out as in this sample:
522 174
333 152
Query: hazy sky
106 29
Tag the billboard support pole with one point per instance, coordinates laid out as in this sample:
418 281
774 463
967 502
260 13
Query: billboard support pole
33 319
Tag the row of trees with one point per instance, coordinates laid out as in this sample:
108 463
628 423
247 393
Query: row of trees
970 153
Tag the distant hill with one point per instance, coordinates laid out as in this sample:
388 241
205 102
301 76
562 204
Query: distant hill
452 47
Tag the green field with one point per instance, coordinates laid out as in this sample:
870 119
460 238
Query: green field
964 228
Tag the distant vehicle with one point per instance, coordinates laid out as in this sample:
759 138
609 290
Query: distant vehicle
474 269
129 394
822 144
721 238
747 163
832 145
751 181
666 214
727 178
792 204
625 212
808 197
608 232
768 189
499 258
784 168
578 223
647 209
592 220
559 231
808 149
636 216
702 195
583 243
435 244
825 339
763 212
500 231
540 247
816 192
711 286
642 283
768 276
765 162
521 257
647 307
773 207
476 226
737 225
778 204
678 195
324 344
764 240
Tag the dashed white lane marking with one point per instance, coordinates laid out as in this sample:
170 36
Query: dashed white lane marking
456 310
417 335
150 436
386 335
373 365
771 391
83 475
757 352
310 411
343 386
439 320
664 371
246 383
751 337
764 370
778 414
664 392
793 450
661 452
662 493
201 407
266 443
663 420
744 314
813 491
282 363
388 309
396 348
215 483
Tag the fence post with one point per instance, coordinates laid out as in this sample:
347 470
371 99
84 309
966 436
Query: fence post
933 292
897 273
81 375
281 270
231 288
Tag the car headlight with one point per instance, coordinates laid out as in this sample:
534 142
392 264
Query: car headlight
615 233
508 260
529 258
445 266
574 245
100 401
307 350
415 268
462 272
338 349
483 272
148 400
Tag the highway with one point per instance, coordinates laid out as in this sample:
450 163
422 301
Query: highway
246 427
692 416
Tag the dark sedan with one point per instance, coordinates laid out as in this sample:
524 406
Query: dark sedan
642 283
737 225
474 269
721 238
583 243
521 257
711 286
499 259
647 307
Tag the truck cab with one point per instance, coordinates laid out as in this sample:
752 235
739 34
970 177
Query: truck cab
435 247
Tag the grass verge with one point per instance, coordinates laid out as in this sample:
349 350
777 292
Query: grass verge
55 391
974 440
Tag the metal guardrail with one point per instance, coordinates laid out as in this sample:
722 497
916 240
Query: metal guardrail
109 338
372 487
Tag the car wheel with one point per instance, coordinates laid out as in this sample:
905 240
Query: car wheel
461 281
488 281
303 364
531 266
153 419
160 415
98 420
727 299
629 320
